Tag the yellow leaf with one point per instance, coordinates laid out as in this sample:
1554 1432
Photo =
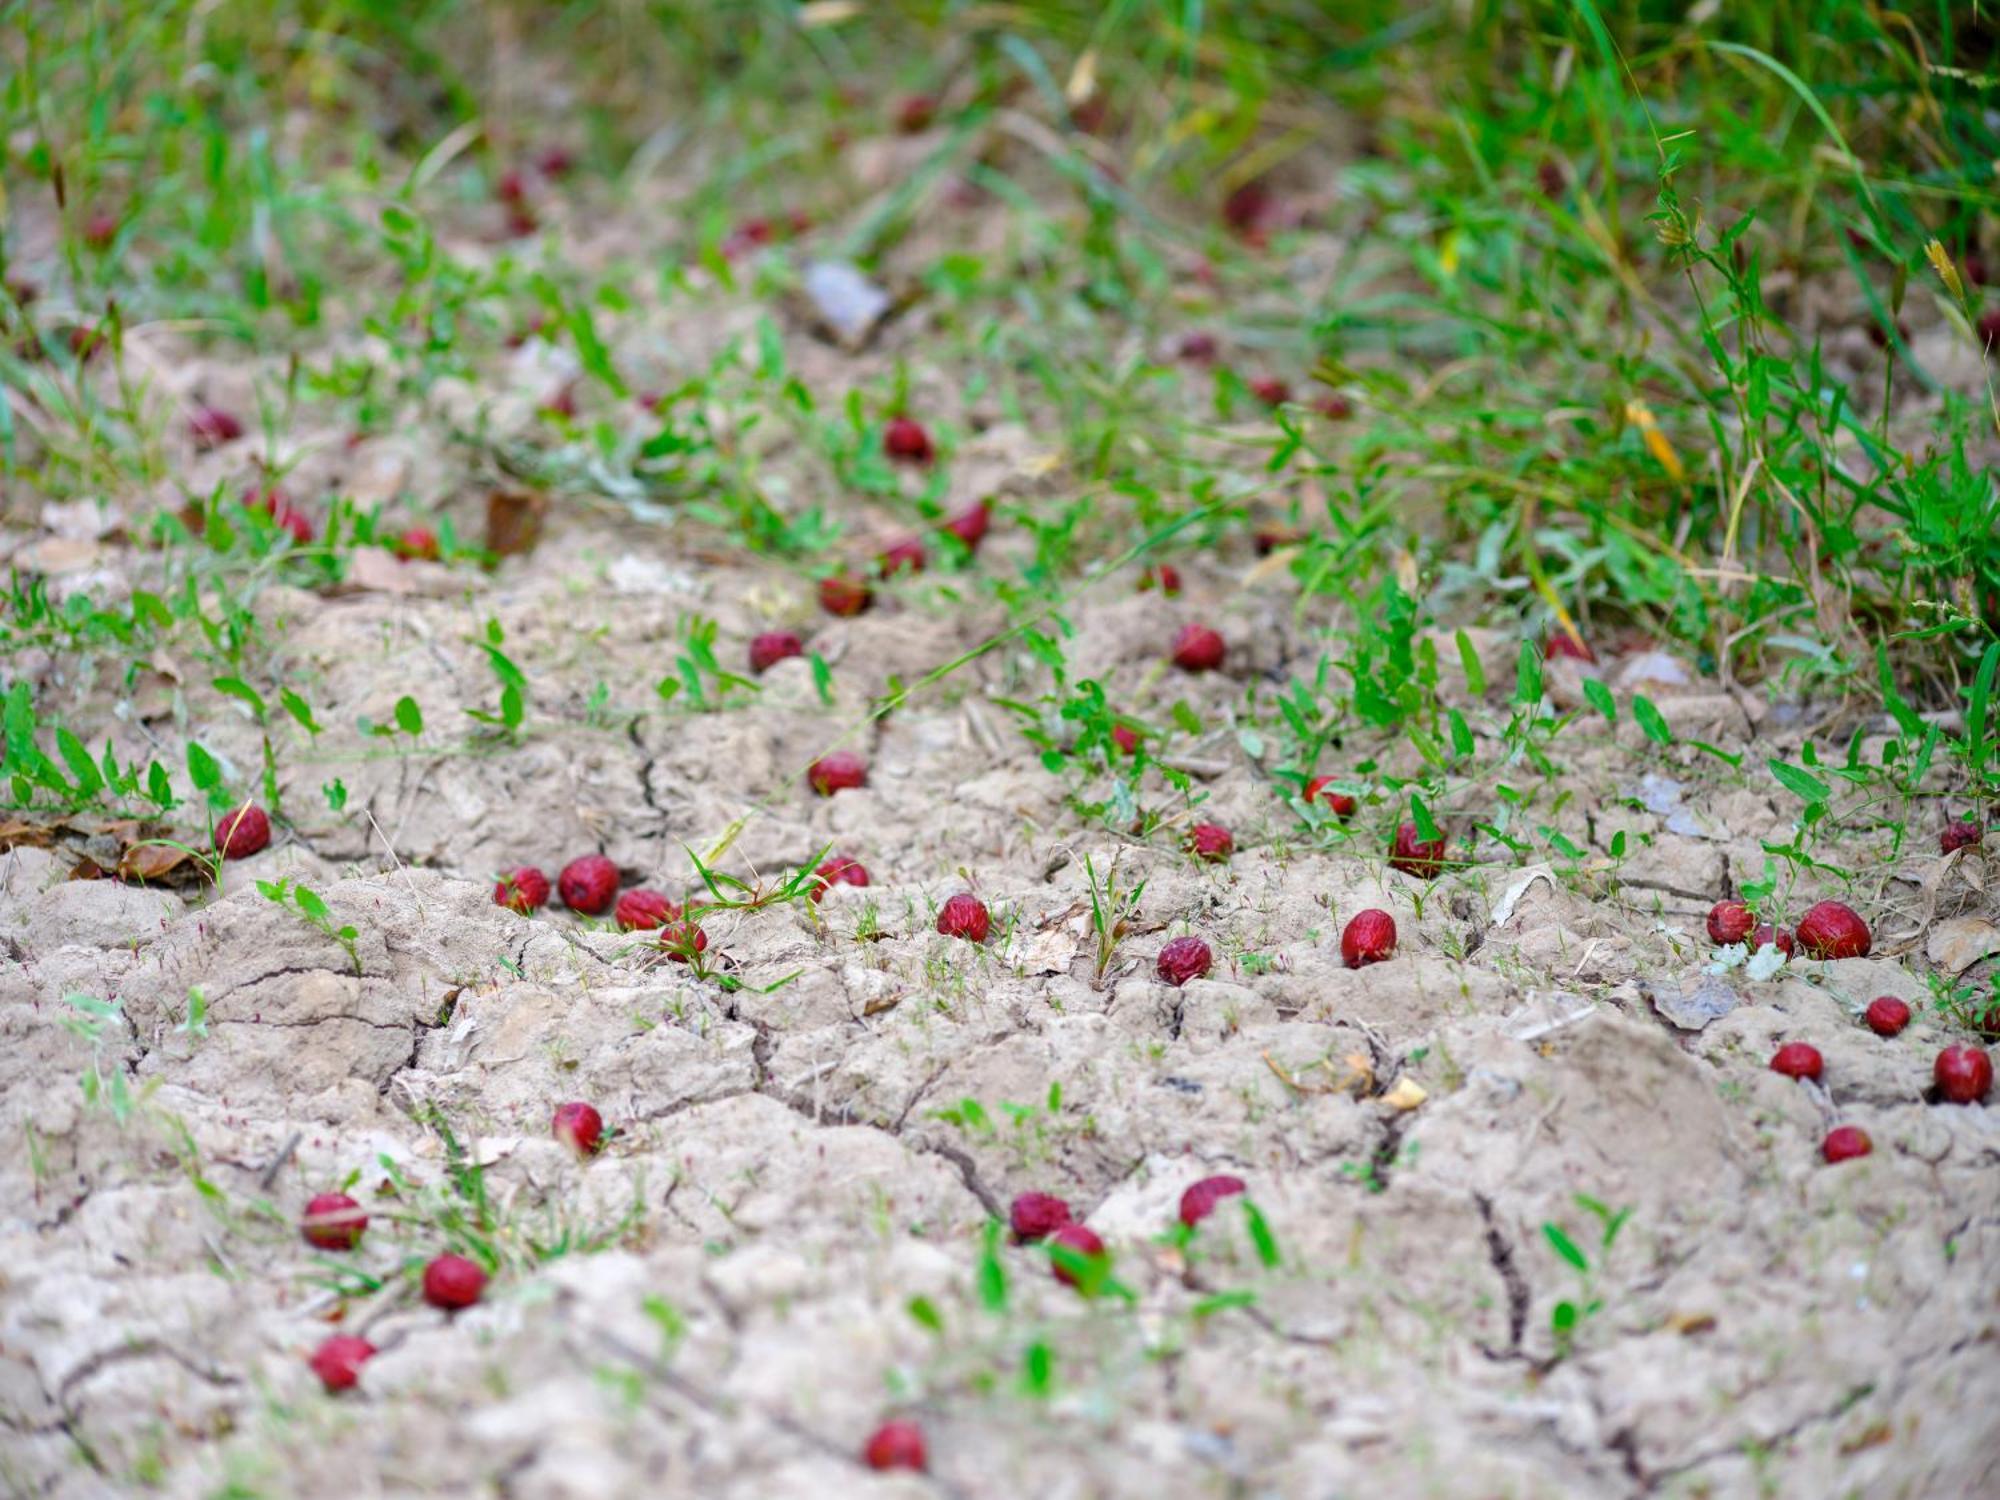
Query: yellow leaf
1406 1095
1082 78
1641 416
1940 261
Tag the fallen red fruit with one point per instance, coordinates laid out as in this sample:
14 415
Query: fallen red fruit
916 113
1199 1201
1163 576
452 1282
561 404
1210 841
1414 855
1078 1240
964 916
642 910
971 524
1961 834
1798 1060
1036 1216
772 647
1270 390
1198 348
580 1127
683 942
1963 1075
1248 207
99 229
837 771
555 162
288 518
333 1221
896 1445
338 1361
523 890
1183 959
1198 649
1334 407
1765 936
844 596
1560 643
1832 930
1125 739
1369 939
899 556
1551 178
1845 1143
242 832
840 870
512 186
1886 1015
588 884
1730 922
212 427
418 543
904 440
1320 789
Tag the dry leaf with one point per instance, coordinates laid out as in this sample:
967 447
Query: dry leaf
1406 1095
1958 943
513 521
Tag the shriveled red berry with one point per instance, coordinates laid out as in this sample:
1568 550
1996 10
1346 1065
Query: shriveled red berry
1963 1075
837 771
1200 1200
1369 939
1162 576
588 884
418 544
1886 1015
1210 841
1036 1216
1833 930
905 555
211 427
512 186
1962 833
1730 922
1798 1060
964 916
971 524
1845 1143
772 647
1079 1240
1551 178
839 870
915 113
897 1445
642 910
1560 643
338 1361
523 890
905 440
333 1221
1764 935
1198 348
840 594
1183 959
452 1281
1125 738
1414 855
579 1126
1248 208
242 832
683 942
1334 407
1198 649
555 162
1321 789
1270 390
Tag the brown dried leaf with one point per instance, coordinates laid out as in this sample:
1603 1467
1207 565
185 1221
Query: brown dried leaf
513 521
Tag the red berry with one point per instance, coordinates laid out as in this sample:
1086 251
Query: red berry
837 771
1320 789
1963 1074
772 647
1765 936
905 440
1198 649
844 596
242 832
1125 739
338 1361
555 162
1959 835
642 910
897 1445
1798 1060
1334 407
99 229
1247 208
212 427
512 186
273 503
682 942
1369 939
915 113
452 1282
1183 959
1415 856
1845 1143
418 542
588 884
333 1221
1200 1200
1831 930
840 870
1036 1216
561 404
1270 390
1163 576
1198 348
1559 643
1078 1240
1730 922
971 524
580 1127
964 916
523 890
1886 1015
1210 841
1551 178
907 554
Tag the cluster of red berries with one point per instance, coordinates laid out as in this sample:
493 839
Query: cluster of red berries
588 886
1830 930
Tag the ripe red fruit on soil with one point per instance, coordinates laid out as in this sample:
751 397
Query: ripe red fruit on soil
1886 1015
1210 841
1413 855
1198 348
908 553
837 771
588 884
1959 835
1963 1075
1845 1143
1183 959
1369 939
212 427
1766 936
897 1445
417 542
1163 576
642 910
916 113
840 870
242 831
523 890
1036 1216
1270 390
1247 208
1083 1241
681 941
272 502
1199 1201
772 647
1833 930
555 162
1125 739
970 525
338 1361
964 916
579 1127
1559 643
1730 922
1798 1060
1319 789
904 440
99 229
512 186
844 596
1198 649
333 1221
452 1282
1335 407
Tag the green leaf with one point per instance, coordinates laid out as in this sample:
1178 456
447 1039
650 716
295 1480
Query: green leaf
992 1275
159 787
1650 720
1468 661
1261 1236
1420 814
335 792
1801 784
1461 735
923 1312
1528 676
822 679
1566 1247
89 780
1598 696
202 767
1562 1318
236 687
409 717
1037 1369
511 711
1208 1307
299 709
309 902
